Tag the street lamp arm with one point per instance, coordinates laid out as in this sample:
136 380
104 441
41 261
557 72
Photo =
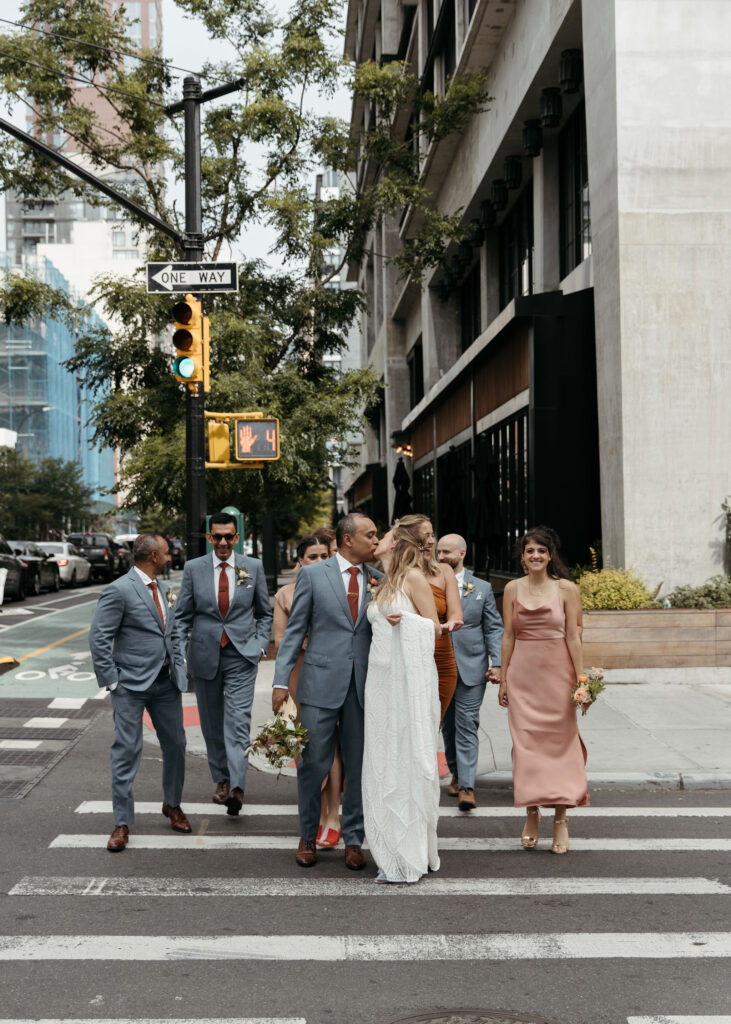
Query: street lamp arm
91 179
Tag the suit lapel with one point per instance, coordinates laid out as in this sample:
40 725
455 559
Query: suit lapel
332 570
146 596
366 594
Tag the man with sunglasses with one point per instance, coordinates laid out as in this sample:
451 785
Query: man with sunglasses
224 602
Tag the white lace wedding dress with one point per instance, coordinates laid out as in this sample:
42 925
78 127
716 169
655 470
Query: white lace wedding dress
400 776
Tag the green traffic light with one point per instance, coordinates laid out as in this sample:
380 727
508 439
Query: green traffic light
184 367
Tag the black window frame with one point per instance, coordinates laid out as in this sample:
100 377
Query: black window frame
573 191
516 247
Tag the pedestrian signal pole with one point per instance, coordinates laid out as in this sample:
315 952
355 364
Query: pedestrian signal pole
195 473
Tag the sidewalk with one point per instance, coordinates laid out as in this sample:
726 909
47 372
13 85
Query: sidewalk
647 735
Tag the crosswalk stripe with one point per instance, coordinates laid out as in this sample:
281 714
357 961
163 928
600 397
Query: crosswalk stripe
20 744
67 703
45 723
154 1020
394 948
494 845
679 1020
277 810
434 886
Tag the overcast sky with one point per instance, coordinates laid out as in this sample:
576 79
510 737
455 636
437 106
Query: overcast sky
186 45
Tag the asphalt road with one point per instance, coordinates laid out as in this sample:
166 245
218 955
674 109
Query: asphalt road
633 925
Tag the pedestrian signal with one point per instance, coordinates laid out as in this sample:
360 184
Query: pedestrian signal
257 440
191 363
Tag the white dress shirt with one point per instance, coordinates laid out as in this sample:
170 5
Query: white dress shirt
344 565
459 576
230 574
147 580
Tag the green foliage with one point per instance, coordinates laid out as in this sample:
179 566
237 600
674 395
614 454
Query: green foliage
613 589
714 593
39 501
260 149
24 297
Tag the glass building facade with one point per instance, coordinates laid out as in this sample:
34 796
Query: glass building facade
43 401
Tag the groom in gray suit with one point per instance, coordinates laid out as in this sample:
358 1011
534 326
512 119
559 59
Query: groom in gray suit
329 606
224 598
477 653
136 658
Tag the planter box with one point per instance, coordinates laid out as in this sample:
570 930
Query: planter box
658 638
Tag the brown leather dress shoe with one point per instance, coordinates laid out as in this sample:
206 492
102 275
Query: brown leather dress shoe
354 858
178 821
453 787
221 794
234 802
306 854
118 839
467 800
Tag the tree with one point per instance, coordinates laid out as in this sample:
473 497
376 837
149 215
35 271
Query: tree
268 341
40 500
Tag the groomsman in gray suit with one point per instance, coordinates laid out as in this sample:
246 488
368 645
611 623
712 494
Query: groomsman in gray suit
224 598
329 607
477 653
136 658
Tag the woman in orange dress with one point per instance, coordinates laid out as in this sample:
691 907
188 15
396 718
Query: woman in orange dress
541 661
311 549
443 583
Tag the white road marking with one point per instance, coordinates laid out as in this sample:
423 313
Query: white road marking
20 744
393 948
103 692
44 723
283 810
267 842
431 886
155 1020
679 1020
67 703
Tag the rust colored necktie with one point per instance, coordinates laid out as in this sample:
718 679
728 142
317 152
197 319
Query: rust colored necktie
353 592
223 599
156 599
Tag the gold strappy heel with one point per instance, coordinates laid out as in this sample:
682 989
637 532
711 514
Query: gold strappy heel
560 847
530 842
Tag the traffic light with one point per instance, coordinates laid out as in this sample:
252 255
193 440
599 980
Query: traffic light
191 341
219 444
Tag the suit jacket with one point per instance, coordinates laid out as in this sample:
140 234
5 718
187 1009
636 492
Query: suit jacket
336 647
481 635
127 641
248 621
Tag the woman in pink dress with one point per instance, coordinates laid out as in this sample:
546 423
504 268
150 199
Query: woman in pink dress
541 659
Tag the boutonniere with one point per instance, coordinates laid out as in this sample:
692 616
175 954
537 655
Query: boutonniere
171 596
372 584
468 588
242 576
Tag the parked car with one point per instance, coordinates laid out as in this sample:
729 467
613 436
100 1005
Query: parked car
15 580
41 571
73 568
126 561
102 552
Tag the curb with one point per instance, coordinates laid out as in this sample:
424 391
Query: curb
629 780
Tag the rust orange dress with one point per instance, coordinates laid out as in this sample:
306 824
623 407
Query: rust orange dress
444 654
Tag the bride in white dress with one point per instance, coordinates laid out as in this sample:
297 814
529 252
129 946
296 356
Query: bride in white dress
400 776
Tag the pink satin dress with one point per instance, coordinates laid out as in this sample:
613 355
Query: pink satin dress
549 756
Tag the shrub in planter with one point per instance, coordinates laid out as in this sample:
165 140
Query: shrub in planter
714 593
612 590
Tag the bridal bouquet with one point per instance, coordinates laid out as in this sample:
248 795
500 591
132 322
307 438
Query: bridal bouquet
282 739
587 689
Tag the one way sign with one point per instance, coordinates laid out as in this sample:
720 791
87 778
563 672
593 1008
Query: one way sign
192 277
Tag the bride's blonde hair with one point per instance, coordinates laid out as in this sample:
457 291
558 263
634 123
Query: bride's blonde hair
407 553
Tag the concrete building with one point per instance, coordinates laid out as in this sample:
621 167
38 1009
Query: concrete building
43 402
571 364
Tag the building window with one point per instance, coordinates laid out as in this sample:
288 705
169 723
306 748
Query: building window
574 209
125 254
516 249
424 490
501 491
119 238
415 362
470 307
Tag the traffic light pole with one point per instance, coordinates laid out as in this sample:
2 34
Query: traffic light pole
195 472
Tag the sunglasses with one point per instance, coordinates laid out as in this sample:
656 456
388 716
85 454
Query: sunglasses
225 538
